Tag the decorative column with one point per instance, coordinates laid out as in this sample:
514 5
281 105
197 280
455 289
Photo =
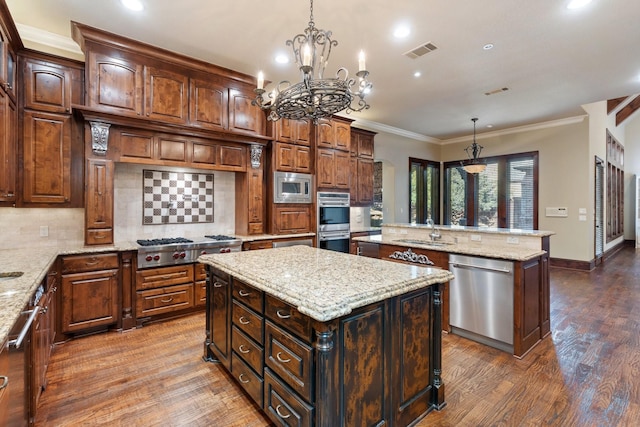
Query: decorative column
256 154
99 138
326 395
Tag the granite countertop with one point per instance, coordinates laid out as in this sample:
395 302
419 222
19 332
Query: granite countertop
360 229
258 237
324 284
512 253
15 293
505 231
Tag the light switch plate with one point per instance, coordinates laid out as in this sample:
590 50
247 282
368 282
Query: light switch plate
44 231
476 238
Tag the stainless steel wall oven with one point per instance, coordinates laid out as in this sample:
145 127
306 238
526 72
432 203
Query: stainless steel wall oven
333 221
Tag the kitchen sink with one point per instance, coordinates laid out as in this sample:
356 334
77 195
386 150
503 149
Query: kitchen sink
4 276
423 242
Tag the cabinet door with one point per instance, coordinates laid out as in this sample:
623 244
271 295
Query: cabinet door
342 135
364 182
166 95
256 207
303 132
243 116
209 104
285 130
99 202
220 319
341 170
47 158
4 377
47 88
89 300
134 145
114 84
232 158
8 146
325 168
292 219
303 159
365 145
285 157
325 134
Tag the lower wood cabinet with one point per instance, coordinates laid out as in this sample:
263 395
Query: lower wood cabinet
164 290
90 292
4 383
291 219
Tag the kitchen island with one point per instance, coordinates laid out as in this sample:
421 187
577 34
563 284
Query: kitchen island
322 338
500 294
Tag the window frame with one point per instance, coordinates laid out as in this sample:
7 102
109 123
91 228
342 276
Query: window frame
472 185
422 215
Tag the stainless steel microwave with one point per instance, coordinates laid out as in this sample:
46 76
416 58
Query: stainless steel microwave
292 187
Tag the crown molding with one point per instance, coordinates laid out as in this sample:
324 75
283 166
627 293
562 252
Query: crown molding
379 127
519 129
47 38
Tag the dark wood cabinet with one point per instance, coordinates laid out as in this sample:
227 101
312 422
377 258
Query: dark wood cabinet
292 158
89 292
244 117
333 169
291 219
218 323
361 167
46 162
296 132
47 87
8 148
114 84
4 383
208 103
99 202
43 337
164 290
166 95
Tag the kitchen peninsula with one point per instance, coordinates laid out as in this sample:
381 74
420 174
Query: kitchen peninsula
519 259
327 338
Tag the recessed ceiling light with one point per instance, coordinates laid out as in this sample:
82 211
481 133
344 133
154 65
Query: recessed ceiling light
489 126
575 4
401 32
282 59
488 46
133 4
417 74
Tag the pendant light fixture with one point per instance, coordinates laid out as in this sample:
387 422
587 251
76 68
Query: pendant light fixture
474 164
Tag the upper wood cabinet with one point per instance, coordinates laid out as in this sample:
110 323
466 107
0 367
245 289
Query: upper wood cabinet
208 103
362 154
47 157
334 133
7 65
243 116
292 131
166 95
333 169
291 158
47 87
114 84
99 202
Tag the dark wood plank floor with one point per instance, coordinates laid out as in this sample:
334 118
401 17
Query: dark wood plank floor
587 373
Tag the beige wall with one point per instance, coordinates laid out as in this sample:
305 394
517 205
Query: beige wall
20 228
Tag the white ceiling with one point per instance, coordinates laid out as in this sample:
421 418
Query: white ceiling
551 58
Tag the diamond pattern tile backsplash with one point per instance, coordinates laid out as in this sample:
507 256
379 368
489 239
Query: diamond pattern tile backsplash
176 197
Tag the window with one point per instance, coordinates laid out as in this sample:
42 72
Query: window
615 187
504 195
424 191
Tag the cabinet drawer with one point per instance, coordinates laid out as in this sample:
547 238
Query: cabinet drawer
248 379
249 322
283 406
199 271
95 262
164 300
164 276
249 296
288 317
290 358
247 349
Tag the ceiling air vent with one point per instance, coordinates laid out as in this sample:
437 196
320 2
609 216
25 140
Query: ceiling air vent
500 90
421 50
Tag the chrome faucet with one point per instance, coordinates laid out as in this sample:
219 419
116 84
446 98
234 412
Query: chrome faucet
435 231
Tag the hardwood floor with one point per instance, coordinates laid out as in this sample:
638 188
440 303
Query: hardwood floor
587 373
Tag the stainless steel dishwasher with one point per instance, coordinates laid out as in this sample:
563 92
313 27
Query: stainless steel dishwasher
481 300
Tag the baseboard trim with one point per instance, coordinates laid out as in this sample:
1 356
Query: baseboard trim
589 265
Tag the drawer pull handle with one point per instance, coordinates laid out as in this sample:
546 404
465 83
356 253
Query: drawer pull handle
5 382
283 316
284 417
167 300
90 263
241 380
243 350
243 293
244 320
217 284
280 359
166 277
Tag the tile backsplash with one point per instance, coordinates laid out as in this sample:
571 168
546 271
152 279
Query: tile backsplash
48 227
128 206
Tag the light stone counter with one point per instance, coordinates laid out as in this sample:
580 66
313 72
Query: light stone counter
324 284
34 263
258 237
514 245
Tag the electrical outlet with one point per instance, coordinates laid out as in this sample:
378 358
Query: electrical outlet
404 232
513 240
476 237
44 231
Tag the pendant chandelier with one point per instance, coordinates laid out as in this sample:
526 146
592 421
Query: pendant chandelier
314 97
474 164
